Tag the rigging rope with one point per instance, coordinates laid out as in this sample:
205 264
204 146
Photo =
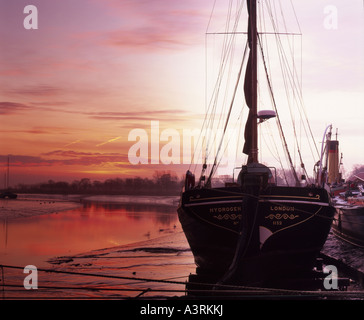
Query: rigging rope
228 49
229 113
214 120
210 127
209 119
290 76
278 119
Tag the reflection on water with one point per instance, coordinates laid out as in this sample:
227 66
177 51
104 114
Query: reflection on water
34 240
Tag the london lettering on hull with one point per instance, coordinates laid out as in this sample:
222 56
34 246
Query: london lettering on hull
282 208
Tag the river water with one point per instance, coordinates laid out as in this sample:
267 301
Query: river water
99 222
122 238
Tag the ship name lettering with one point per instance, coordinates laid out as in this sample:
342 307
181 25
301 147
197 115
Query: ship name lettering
225 209
282 208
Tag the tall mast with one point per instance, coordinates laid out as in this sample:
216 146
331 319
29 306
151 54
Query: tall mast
250 87
254 45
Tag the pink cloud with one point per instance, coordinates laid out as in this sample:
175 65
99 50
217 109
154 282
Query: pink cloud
36 90
156 24
72 158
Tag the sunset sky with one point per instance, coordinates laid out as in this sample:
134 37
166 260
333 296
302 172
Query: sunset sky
94 70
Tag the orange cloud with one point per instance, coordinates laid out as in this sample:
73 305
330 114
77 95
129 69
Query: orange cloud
12 107
72 158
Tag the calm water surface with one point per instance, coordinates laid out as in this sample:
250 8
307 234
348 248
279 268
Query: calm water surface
95 225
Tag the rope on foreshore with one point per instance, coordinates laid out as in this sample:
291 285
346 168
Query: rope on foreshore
209 293
227 291
96 275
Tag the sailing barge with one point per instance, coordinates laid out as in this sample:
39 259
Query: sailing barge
349 220
348 201
253 231
7 193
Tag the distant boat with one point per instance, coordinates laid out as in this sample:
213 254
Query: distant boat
348 198
7 194
253 231
349 219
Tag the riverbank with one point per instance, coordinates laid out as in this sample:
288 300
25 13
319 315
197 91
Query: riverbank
28 205
127 199
34 205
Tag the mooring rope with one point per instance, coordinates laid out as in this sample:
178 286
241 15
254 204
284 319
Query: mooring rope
224 290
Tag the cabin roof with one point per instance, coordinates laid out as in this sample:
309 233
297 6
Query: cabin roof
359 176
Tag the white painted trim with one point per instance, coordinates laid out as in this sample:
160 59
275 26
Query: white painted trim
212 202
324 204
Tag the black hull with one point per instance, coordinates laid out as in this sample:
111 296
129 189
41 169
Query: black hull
349 224
283 237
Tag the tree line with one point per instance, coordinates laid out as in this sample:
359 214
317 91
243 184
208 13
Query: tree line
162 183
